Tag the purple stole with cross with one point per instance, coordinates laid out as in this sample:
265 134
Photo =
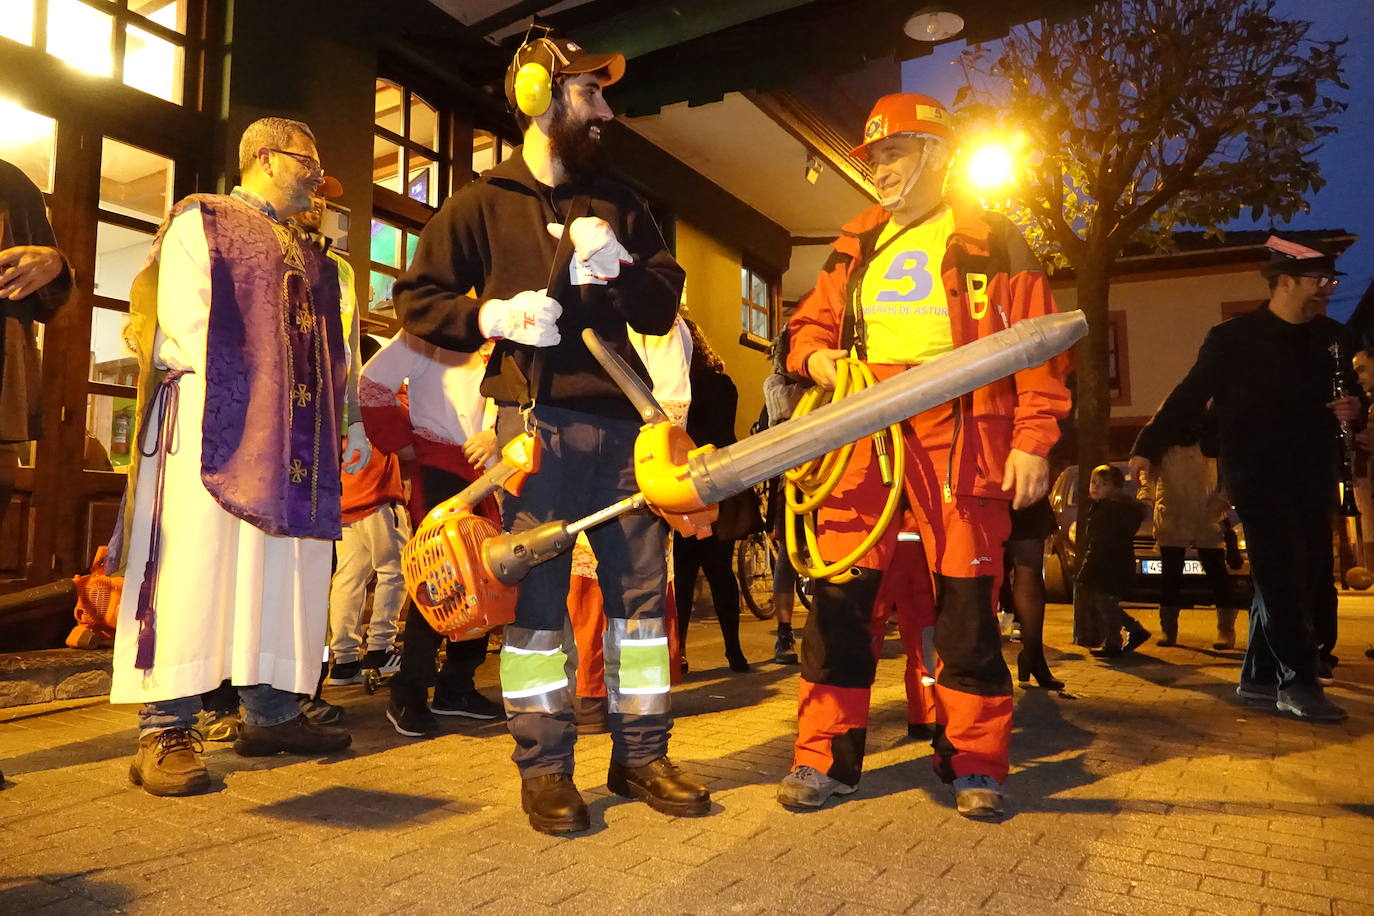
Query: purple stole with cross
274 376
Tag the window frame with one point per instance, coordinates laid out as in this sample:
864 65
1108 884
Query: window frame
402 205
773 284
1118 354
192 42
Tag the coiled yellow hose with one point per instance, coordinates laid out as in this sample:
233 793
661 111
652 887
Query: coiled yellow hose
809 485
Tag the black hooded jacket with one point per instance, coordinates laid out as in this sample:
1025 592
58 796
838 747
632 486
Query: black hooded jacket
490 241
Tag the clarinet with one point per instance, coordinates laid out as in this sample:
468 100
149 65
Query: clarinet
1347 433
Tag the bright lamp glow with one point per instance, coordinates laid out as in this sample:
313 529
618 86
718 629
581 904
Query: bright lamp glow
990 167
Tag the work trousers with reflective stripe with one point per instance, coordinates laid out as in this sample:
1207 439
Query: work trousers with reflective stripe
585 465
962 537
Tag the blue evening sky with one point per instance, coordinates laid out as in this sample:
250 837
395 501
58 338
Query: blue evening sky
1347 201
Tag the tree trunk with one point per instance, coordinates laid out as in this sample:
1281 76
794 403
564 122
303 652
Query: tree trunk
1094 403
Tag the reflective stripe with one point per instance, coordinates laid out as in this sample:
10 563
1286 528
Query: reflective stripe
637 666
644 668
534 691
527 674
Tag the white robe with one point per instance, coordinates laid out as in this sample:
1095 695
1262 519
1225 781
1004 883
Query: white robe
232 601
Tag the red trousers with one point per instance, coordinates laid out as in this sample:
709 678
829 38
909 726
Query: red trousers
962 537
907 594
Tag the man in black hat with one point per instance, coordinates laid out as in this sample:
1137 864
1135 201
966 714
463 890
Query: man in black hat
1268 375
539 248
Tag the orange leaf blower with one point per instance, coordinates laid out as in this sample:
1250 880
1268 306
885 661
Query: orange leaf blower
461 570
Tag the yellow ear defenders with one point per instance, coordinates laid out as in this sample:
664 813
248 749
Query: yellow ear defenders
531 90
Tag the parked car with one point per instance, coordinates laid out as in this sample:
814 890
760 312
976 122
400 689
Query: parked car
1062 560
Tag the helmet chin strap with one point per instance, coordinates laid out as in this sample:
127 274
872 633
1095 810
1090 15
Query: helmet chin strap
895 201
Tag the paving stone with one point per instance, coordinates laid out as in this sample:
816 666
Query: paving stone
1148 792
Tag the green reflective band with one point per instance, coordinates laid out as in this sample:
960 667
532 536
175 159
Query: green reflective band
644 666
528 673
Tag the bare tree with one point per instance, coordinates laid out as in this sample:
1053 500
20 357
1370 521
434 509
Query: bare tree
1143 116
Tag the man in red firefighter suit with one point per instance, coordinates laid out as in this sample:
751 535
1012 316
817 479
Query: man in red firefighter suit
909 280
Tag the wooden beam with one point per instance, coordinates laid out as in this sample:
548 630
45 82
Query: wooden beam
508 16
812 131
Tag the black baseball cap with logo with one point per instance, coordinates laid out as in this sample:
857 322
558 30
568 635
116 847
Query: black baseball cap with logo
562 57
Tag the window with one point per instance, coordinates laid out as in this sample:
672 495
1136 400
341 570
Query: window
756 311
409 140
1118 362
135 196
28 141
141 43
487 150
1240 307
390 253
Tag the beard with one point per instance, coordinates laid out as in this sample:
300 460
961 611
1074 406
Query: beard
573 144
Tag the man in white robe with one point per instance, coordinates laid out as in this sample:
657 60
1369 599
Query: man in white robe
235 500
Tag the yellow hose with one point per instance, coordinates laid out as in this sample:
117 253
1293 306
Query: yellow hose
809 485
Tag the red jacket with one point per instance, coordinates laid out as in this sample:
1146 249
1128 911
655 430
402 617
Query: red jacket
991 280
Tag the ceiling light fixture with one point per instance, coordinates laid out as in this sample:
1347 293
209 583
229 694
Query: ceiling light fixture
933 22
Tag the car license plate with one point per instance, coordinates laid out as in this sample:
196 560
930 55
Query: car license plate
1156 567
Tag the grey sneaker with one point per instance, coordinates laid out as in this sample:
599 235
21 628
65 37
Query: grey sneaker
321 712
1252 690
977 795
808 787
1309 702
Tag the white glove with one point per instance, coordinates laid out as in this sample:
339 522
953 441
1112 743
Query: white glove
597 254
529 318
357 450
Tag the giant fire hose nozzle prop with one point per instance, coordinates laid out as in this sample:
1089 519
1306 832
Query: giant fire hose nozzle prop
462 570
709 475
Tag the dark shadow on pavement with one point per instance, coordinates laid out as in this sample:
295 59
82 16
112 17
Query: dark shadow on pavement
357 809
76 893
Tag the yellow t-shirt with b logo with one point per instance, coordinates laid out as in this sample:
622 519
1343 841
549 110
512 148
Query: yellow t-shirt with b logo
902 295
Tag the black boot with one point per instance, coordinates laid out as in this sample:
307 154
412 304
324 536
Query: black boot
554 804
662 785
785 648
1168 625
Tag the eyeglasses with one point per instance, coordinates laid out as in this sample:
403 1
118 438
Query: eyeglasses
1323 281
311 164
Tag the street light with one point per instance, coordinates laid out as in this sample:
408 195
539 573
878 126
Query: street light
990 166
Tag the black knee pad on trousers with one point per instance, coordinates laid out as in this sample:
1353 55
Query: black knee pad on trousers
847 750
968 639
837 645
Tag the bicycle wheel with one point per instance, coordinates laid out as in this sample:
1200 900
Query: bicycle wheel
754 558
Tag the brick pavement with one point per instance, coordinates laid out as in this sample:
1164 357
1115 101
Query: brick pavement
1147 788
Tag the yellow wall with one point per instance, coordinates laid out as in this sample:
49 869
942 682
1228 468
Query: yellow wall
1166 320
713 301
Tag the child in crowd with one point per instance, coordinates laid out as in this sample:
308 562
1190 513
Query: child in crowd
1107 533
375 528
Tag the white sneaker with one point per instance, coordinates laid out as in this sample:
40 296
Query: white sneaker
977 795
808 787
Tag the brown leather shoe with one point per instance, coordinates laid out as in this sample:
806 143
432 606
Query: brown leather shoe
554 804
662 785
294 736
168 763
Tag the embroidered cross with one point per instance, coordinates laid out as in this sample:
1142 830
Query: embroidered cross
304 319
297 470
301 395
